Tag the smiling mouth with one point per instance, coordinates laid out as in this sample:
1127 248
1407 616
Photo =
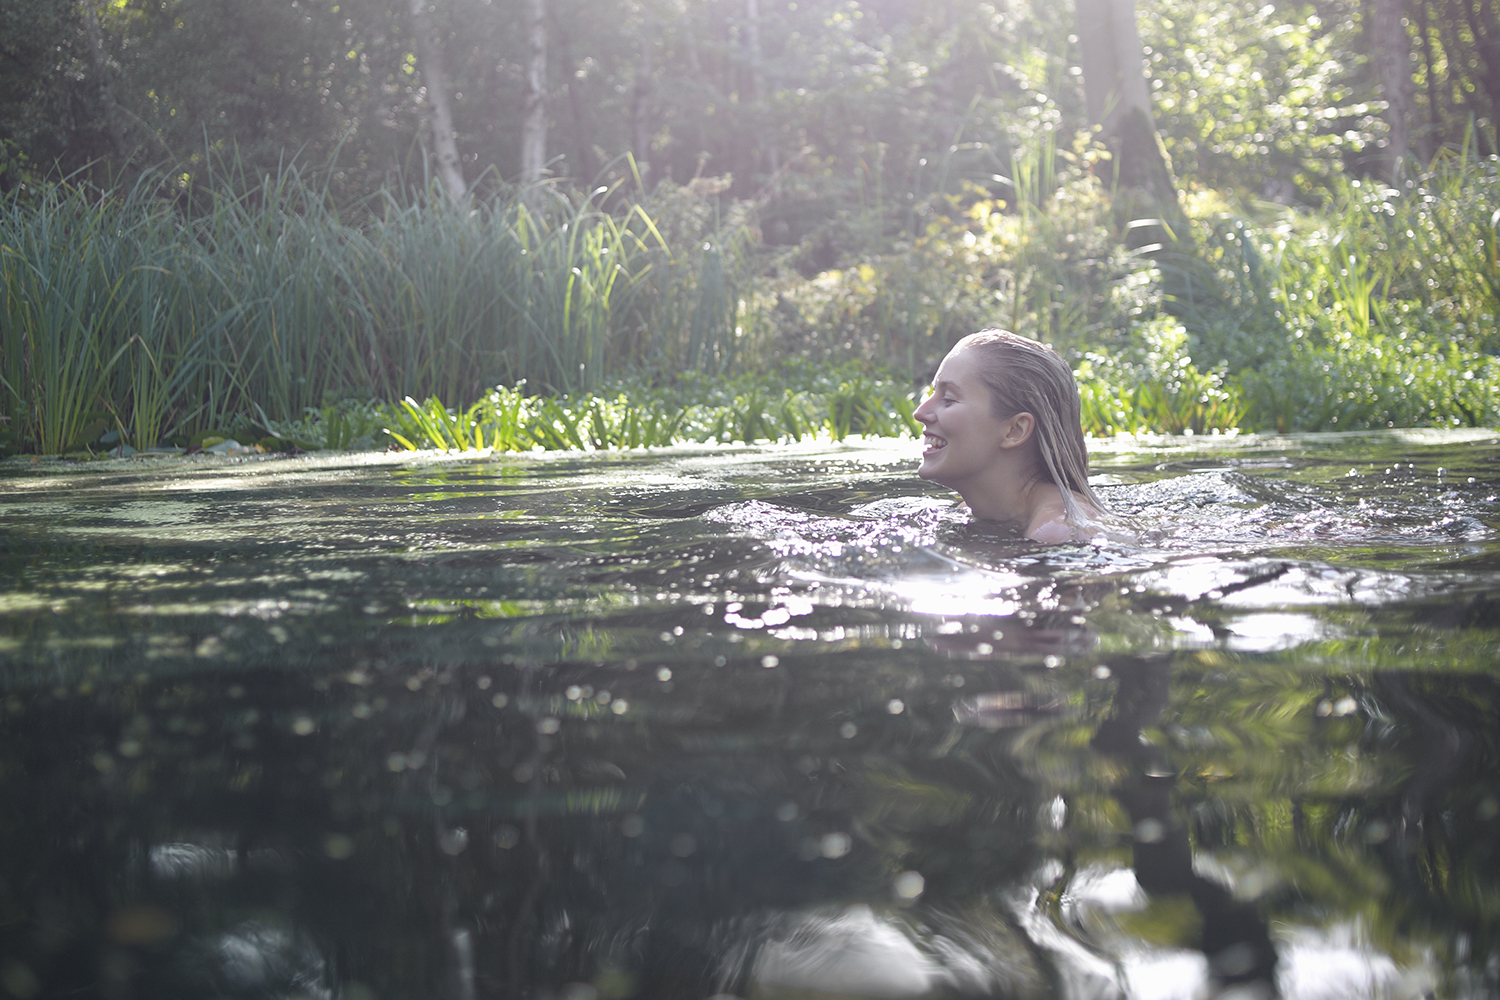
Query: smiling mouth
932 443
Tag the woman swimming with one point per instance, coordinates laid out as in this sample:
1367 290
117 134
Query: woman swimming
1003 429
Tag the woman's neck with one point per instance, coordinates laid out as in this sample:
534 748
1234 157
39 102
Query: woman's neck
1017 497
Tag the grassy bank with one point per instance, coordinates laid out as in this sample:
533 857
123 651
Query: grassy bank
249 306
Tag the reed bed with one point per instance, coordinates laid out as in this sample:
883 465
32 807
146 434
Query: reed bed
254 304
155 316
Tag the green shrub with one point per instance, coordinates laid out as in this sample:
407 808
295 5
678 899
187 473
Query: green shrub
1154 386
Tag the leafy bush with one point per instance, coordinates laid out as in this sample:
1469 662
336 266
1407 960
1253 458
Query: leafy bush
1376 312
1154 386
795 403
1040 260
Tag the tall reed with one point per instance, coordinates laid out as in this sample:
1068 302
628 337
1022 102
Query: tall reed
160 314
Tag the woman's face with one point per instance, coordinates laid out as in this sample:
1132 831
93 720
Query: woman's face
963 438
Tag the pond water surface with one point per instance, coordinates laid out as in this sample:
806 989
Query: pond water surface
765 722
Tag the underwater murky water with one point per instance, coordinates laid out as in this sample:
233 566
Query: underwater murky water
768 722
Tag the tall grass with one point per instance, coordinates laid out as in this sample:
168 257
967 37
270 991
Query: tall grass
169 308
161 314
1378 310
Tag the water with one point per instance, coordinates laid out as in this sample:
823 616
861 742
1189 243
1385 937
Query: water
768 722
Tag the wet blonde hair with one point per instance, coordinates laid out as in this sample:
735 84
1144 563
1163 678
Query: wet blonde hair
1025 375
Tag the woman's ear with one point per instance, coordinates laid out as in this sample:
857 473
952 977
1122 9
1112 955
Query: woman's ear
1017 430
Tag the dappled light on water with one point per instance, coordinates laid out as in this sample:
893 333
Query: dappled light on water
773 722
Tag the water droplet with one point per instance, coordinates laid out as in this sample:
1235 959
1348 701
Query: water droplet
770 661
895 706
1149 831
548 726
620 706
664 674
303 726
909 885
500 700
848 730
1101 672
338 846
454 841
835 845
506 836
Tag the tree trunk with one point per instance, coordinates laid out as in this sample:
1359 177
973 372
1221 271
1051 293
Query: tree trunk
435 80
640 112
534 120
1393 69
1119 103
757 89
1143 192
585 170
95 38
1430 132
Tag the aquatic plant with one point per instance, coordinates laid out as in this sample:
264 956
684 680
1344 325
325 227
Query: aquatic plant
171 307
626 414
1155 387
1377 312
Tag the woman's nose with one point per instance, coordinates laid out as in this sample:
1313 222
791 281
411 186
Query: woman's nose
923 413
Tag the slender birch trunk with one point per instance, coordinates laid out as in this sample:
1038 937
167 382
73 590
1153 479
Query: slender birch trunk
1393 69
435 80
534 121
640 112
757 87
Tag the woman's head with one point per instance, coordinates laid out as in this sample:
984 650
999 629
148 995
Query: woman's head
1023 376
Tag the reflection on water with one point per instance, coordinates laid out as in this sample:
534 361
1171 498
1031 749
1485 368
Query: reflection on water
755 722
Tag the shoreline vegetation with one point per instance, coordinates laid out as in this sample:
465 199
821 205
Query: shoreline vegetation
175 312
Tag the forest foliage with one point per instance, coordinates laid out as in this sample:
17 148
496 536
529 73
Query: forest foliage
226 213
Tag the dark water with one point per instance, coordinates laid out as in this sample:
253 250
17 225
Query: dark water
766 722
